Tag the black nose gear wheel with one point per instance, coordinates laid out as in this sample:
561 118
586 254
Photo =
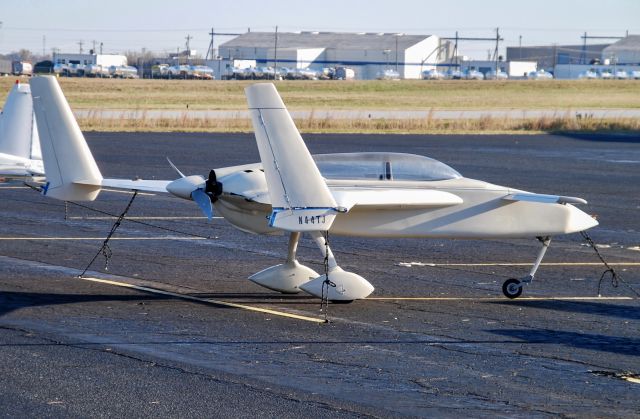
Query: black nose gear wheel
512 288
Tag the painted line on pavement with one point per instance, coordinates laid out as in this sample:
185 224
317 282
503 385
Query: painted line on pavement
421 264
102 238
141 218
205 300
503 298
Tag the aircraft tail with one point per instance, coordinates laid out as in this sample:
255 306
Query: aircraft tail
16 123
299 195
72 173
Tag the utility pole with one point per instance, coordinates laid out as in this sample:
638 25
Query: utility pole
101 44
275 55
188 51
495 53
94 46
397 52
188 38
210 50
520 47
455 52
80 43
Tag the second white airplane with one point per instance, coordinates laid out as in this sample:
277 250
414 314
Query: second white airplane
291 191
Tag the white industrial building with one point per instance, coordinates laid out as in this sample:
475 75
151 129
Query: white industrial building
105 60
368 54
514 69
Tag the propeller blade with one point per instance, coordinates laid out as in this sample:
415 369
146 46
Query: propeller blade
203 201
175 168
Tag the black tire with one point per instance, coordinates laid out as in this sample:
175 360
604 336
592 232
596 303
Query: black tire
512 288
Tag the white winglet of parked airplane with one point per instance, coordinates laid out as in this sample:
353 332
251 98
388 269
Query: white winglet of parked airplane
72 173
20 154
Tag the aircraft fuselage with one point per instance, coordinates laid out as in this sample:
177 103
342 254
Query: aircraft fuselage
483 213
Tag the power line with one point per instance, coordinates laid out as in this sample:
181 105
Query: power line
211 50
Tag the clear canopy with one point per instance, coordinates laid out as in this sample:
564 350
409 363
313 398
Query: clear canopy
383 166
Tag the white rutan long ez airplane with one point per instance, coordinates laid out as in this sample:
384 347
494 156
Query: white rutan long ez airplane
20 155
290 191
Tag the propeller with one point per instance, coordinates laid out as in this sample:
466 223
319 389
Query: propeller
213 188
203 191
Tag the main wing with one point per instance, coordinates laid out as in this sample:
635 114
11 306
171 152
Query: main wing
159 186
360 198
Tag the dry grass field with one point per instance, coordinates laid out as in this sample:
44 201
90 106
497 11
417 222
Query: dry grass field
561 95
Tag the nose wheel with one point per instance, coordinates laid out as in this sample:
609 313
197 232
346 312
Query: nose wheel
512 288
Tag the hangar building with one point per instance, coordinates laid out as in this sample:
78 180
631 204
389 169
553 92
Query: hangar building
549 56
625 51
367 53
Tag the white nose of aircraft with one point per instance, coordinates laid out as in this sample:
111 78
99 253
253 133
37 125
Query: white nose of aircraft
579 221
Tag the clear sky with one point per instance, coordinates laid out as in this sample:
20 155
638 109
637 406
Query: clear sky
161 25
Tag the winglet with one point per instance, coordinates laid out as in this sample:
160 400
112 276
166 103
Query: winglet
72 173
544 199
16 122
299 195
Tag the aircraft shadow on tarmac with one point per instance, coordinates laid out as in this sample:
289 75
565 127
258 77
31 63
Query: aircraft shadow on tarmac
585 307
602 343
11 301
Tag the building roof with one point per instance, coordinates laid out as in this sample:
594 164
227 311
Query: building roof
337 40
631 42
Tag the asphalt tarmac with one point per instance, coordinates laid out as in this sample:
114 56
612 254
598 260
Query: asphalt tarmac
174 328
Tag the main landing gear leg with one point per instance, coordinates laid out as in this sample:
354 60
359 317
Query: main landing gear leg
512 288
286 277
336 285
